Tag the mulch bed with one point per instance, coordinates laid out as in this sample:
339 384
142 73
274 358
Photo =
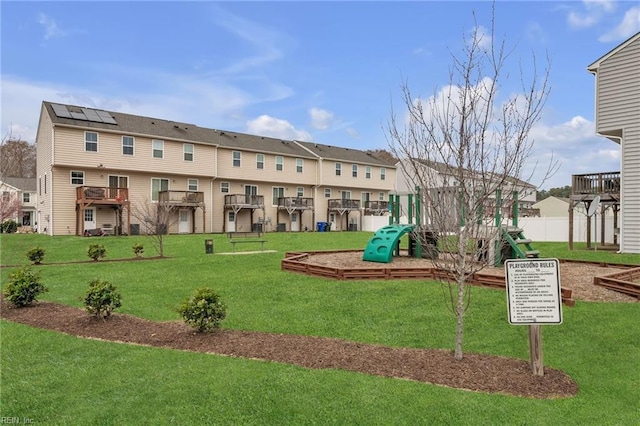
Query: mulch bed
475 372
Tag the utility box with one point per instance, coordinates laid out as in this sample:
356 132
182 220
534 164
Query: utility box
208 246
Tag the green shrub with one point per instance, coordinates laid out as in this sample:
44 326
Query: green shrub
102 298
138 249
9 226
36 255
203 311
24 287
96 251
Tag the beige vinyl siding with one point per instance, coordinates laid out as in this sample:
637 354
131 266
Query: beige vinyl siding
346 179
618 89
248 168
69 150
630 190
44 152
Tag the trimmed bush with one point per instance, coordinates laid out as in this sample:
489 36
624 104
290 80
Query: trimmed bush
102 298
203 311
96 251
24 287
138 249
9 226
36 255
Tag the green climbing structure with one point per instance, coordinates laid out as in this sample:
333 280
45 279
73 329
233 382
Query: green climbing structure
514 236
380 247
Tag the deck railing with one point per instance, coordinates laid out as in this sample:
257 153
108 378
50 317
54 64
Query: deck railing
244 200
344 204
297 202
181 197
596 183
376 205
101 193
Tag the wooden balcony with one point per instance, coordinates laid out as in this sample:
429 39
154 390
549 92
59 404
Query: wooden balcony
181 198
101 195
376 208
295 203
243 201
344 204
605 185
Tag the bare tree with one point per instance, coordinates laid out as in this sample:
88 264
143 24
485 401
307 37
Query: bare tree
460 147
156 218
17 157
10 205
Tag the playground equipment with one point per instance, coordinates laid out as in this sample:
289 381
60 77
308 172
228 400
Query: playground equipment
384 242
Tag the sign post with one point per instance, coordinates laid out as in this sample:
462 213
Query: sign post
534 298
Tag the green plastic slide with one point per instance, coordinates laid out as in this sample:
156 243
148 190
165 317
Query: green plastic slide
380 247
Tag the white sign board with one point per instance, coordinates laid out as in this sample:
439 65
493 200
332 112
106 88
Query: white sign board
533 291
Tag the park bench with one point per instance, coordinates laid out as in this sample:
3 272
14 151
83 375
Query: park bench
246 237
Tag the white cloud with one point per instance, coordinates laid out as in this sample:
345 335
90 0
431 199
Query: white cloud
594 11
353 133
51 29
320 118
482 36
629 26
277 128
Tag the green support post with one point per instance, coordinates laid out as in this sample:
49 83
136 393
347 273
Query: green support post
515 209
391 209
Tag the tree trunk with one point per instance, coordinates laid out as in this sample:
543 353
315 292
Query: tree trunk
460 320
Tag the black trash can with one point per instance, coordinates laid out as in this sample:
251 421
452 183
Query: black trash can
208 246
134 229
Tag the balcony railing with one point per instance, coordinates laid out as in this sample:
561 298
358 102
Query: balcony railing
596 183
376 205
244 200
102 194
181 197
344 204
295 202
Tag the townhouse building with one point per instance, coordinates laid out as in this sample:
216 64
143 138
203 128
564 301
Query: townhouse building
24 191
100 169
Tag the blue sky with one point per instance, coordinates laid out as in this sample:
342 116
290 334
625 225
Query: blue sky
327 72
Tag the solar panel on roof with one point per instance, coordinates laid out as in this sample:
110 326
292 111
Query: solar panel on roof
78 116
91 115
106 117
61 111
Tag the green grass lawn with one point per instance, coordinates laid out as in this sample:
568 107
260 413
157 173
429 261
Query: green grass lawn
57 379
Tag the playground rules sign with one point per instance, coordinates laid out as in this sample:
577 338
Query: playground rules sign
533 291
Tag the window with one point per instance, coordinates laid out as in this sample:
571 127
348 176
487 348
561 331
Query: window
26 197
127 145
327 193
187 151
299 164
383 173
354 170
236 158
381 196
116 184
367 172
279 163
158 148
91 141
338 169
366 196
260 161
6 196
224 187
345 195
158 185
278 192
192 184
77 178
300 192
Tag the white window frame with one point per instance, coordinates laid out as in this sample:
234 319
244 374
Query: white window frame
364 197
159 188
132 146
383 173
260 161
338 169
327 193
225 187
300 191
277 195
381 196
235 154
354 170
157 148
88 142
26 197
192 184
367 172
186 155
279 163
299 165
345 195
78 179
